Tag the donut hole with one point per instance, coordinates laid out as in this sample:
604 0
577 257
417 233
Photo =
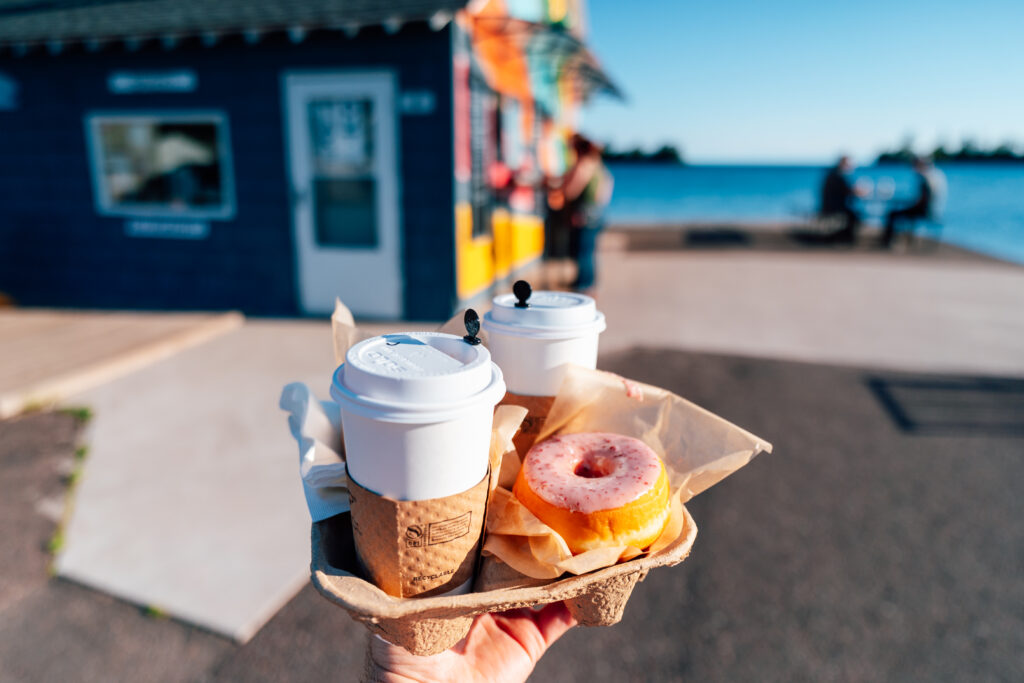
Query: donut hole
593 467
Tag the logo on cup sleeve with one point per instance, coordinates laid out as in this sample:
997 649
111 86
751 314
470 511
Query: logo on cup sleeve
420 535
414 536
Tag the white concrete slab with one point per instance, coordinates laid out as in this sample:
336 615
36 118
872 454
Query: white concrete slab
190 500
875 310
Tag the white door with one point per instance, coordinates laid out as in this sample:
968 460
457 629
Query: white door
342 152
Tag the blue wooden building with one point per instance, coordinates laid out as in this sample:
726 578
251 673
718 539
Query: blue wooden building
263 155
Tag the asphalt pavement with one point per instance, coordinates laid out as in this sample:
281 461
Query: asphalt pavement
882 540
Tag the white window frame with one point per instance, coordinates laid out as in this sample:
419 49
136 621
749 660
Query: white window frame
102 197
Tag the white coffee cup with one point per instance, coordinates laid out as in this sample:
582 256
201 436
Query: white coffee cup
416 411
533 344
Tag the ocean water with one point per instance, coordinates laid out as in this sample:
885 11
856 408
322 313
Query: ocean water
984 208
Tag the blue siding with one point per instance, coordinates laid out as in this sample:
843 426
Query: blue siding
55 249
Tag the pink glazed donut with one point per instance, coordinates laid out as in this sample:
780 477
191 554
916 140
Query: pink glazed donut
596 490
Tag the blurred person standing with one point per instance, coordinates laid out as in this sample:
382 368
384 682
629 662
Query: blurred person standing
557 237
837 195
587 188
931 193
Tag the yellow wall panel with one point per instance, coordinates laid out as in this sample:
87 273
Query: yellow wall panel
503 242
517 240
474 255
527 239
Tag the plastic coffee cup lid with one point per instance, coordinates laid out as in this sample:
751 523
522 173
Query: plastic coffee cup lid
416 377
549 315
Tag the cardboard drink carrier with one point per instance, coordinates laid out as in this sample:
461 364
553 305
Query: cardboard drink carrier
516 561
426 626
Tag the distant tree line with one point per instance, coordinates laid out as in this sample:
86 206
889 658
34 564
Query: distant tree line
968 151
666 154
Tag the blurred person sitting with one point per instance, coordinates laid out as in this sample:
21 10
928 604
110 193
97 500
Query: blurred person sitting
837 195
587 188
931 192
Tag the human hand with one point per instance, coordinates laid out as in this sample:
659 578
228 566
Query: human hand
499 648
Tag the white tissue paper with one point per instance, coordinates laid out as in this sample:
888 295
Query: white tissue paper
316 426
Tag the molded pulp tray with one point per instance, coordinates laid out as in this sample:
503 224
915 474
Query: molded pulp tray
425 626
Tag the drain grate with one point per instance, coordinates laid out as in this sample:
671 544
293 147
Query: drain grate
959 406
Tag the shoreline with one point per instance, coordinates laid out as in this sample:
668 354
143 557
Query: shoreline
828 163
775 235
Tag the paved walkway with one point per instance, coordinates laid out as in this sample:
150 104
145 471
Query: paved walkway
48 355
861 308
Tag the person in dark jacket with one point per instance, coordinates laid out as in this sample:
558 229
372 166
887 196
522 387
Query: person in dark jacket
931 190
588 190
837 195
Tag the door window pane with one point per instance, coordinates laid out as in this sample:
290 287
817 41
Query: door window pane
344 181
342 135
345 212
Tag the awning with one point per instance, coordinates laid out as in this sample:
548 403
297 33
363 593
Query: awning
60 23
529 60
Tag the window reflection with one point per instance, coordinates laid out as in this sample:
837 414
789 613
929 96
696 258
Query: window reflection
161 165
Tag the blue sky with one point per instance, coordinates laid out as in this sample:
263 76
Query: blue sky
792 81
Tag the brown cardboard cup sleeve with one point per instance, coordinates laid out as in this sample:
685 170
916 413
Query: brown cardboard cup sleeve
418 547
537 409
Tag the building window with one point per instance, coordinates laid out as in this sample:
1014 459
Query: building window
482 154
161 164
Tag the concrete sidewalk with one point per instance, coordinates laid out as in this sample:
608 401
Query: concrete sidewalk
865 308
48 355
190 500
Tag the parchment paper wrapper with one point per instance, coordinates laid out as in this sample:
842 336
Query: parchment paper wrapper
699 449
344 332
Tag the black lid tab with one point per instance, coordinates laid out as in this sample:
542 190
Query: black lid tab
522 291
472 321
